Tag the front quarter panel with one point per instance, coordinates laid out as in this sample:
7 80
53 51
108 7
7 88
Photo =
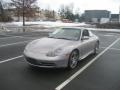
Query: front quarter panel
67 50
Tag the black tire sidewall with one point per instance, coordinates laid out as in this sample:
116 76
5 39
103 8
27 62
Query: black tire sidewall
69 60
96 47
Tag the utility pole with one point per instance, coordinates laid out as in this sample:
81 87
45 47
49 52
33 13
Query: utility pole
1 8
1 12
23 15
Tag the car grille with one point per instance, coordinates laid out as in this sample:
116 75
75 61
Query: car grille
36 62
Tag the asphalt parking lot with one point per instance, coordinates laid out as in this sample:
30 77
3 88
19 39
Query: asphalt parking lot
100 72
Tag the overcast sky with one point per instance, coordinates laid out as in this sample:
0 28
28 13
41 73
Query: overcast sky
111 5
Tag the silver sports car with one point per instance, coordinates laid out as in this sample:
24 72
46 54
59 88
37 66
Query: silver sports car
62 48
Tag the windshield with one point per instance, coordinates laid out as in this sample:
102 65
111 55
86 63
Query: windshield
66 33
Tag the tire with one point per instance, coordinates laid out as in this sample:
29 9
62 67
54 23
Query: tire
96 48
73 59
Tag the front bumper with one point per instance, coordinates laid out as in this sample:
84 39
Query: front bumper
41 60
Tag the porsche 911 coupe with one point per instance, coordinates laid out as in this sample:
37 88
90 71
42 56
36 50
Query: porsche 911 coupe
62 48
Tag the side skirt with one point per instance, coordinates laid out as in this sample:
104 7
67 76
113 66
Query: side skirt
91 52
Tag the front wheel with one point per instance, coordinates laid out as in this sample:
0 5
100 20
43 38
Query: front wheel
73 59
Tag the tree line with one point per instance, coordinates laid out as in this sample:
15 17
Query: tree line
29 9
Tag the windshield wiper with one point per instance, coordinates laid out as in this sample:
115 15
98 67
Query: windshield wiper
64 38
60 38
50 37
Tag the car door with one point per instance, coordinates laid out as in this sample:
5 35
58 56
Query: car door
86 42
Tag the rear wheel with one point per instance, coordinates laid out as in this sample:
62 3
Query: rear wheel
73 59
96 49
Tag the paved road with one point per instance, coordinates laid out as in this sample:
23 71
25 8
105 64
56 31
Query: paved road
15 73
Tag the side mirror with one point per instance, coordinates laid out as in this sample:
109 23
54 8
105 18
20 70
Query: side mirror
85 38
50 34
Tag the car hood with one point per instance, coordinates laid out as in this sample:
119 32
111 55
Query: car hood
44 45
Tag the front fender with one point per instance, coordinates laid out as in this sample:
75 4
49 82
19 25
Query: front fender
68 49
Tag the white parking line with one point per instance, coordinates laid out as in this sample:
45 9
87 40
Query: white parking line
8 37
10 59
108 35
115 49
111 48
62 85
12 36
103 47
14 43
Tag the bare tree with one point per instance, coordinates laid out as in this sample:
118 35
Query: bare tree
25 8
1 8
4 17
50 14
62 11
66 12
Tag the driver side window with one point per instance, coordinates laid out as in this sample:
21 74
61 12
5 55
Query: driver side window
85 33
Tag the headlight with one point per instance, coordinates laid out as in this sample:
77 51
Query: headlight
54 53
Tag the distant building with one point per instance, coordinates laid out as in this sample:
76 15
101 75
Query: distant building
96 16
114 18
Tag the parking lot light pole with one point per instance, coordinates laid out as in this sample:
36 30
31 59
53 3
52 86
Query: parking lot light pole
119 14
